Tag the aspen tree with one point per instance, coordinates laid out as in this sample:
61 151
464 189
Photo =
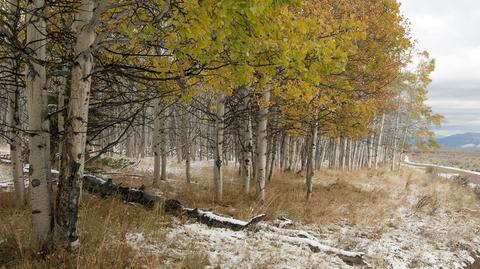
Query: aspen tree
40 184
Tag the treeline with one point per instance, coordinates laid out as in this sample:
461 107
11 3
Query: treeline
291 85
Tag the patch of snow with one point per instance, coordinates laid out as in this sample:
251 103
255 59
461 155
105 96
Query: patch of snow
364 187
448 175
134 239
229 249
282 222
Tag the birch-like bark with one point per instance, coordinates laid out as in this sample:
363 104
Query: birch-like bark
286 153
371 143
379 142
218 164
61 84
344 153
71 174
404 140
14 114
311 157
395 140
163 148
262 145
176 137
247 147
35 82
186 144
273 157
143 131
16 141
156 144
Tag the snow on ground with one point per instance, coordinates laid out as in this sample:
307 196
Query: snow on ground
407 237
5 177
411 236
235 249
417 241
448 175
421 242
146 165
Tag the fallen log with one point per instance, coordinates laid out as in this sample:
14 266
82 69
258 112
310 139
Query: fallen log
215 220
303 238
106 188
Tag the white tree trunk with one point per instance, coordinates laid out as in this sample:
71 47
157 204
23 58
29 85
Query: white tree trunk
14 114
262 146
311 158
61 118
379 142
395 140
16 143
247 155
156 144
371 145
37 111
247 147
71 175
218 164
186 144
163 147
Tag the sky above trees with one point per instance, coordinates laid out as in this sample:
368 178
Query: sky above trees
450 31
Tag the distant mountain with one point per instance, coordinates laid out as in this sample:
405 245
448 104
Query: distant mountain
466 140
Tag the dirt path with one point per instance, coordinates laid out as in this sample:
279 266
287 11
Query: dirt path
446 171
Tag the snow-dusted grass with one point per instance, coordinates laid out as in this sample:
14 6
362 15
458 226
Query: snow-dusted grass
408 219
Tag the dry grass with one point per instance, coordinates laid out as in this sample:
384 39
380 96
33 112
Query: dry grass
104 224
363 198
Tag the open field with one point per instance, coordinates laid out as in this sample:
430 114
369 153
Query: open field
399 220
462 158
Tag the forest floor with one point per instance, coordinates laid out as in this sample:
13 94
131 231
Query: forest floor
407 219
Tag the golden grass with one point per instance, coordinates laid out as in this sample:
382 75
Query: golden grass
360 197
104 224
363 198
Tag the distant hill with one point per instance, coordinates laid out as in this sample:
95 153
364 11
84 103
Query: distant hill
466 140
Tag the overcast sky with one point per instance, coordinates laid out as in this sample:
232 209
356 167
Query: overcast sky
450 31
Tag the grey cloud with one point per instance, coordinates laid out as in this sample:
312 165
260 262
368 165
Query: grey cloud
450 31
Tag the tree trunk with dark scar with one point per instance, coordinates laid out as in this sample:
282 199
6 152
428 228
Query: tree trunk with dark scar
71 173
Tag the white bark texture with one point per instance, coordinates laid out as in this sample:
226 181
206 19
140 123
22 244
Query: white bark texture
262 146
218 164
38 136
16 145
379 142
311 158
186 143
71 174
61 115
14 114
246 163
163 147
156 144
